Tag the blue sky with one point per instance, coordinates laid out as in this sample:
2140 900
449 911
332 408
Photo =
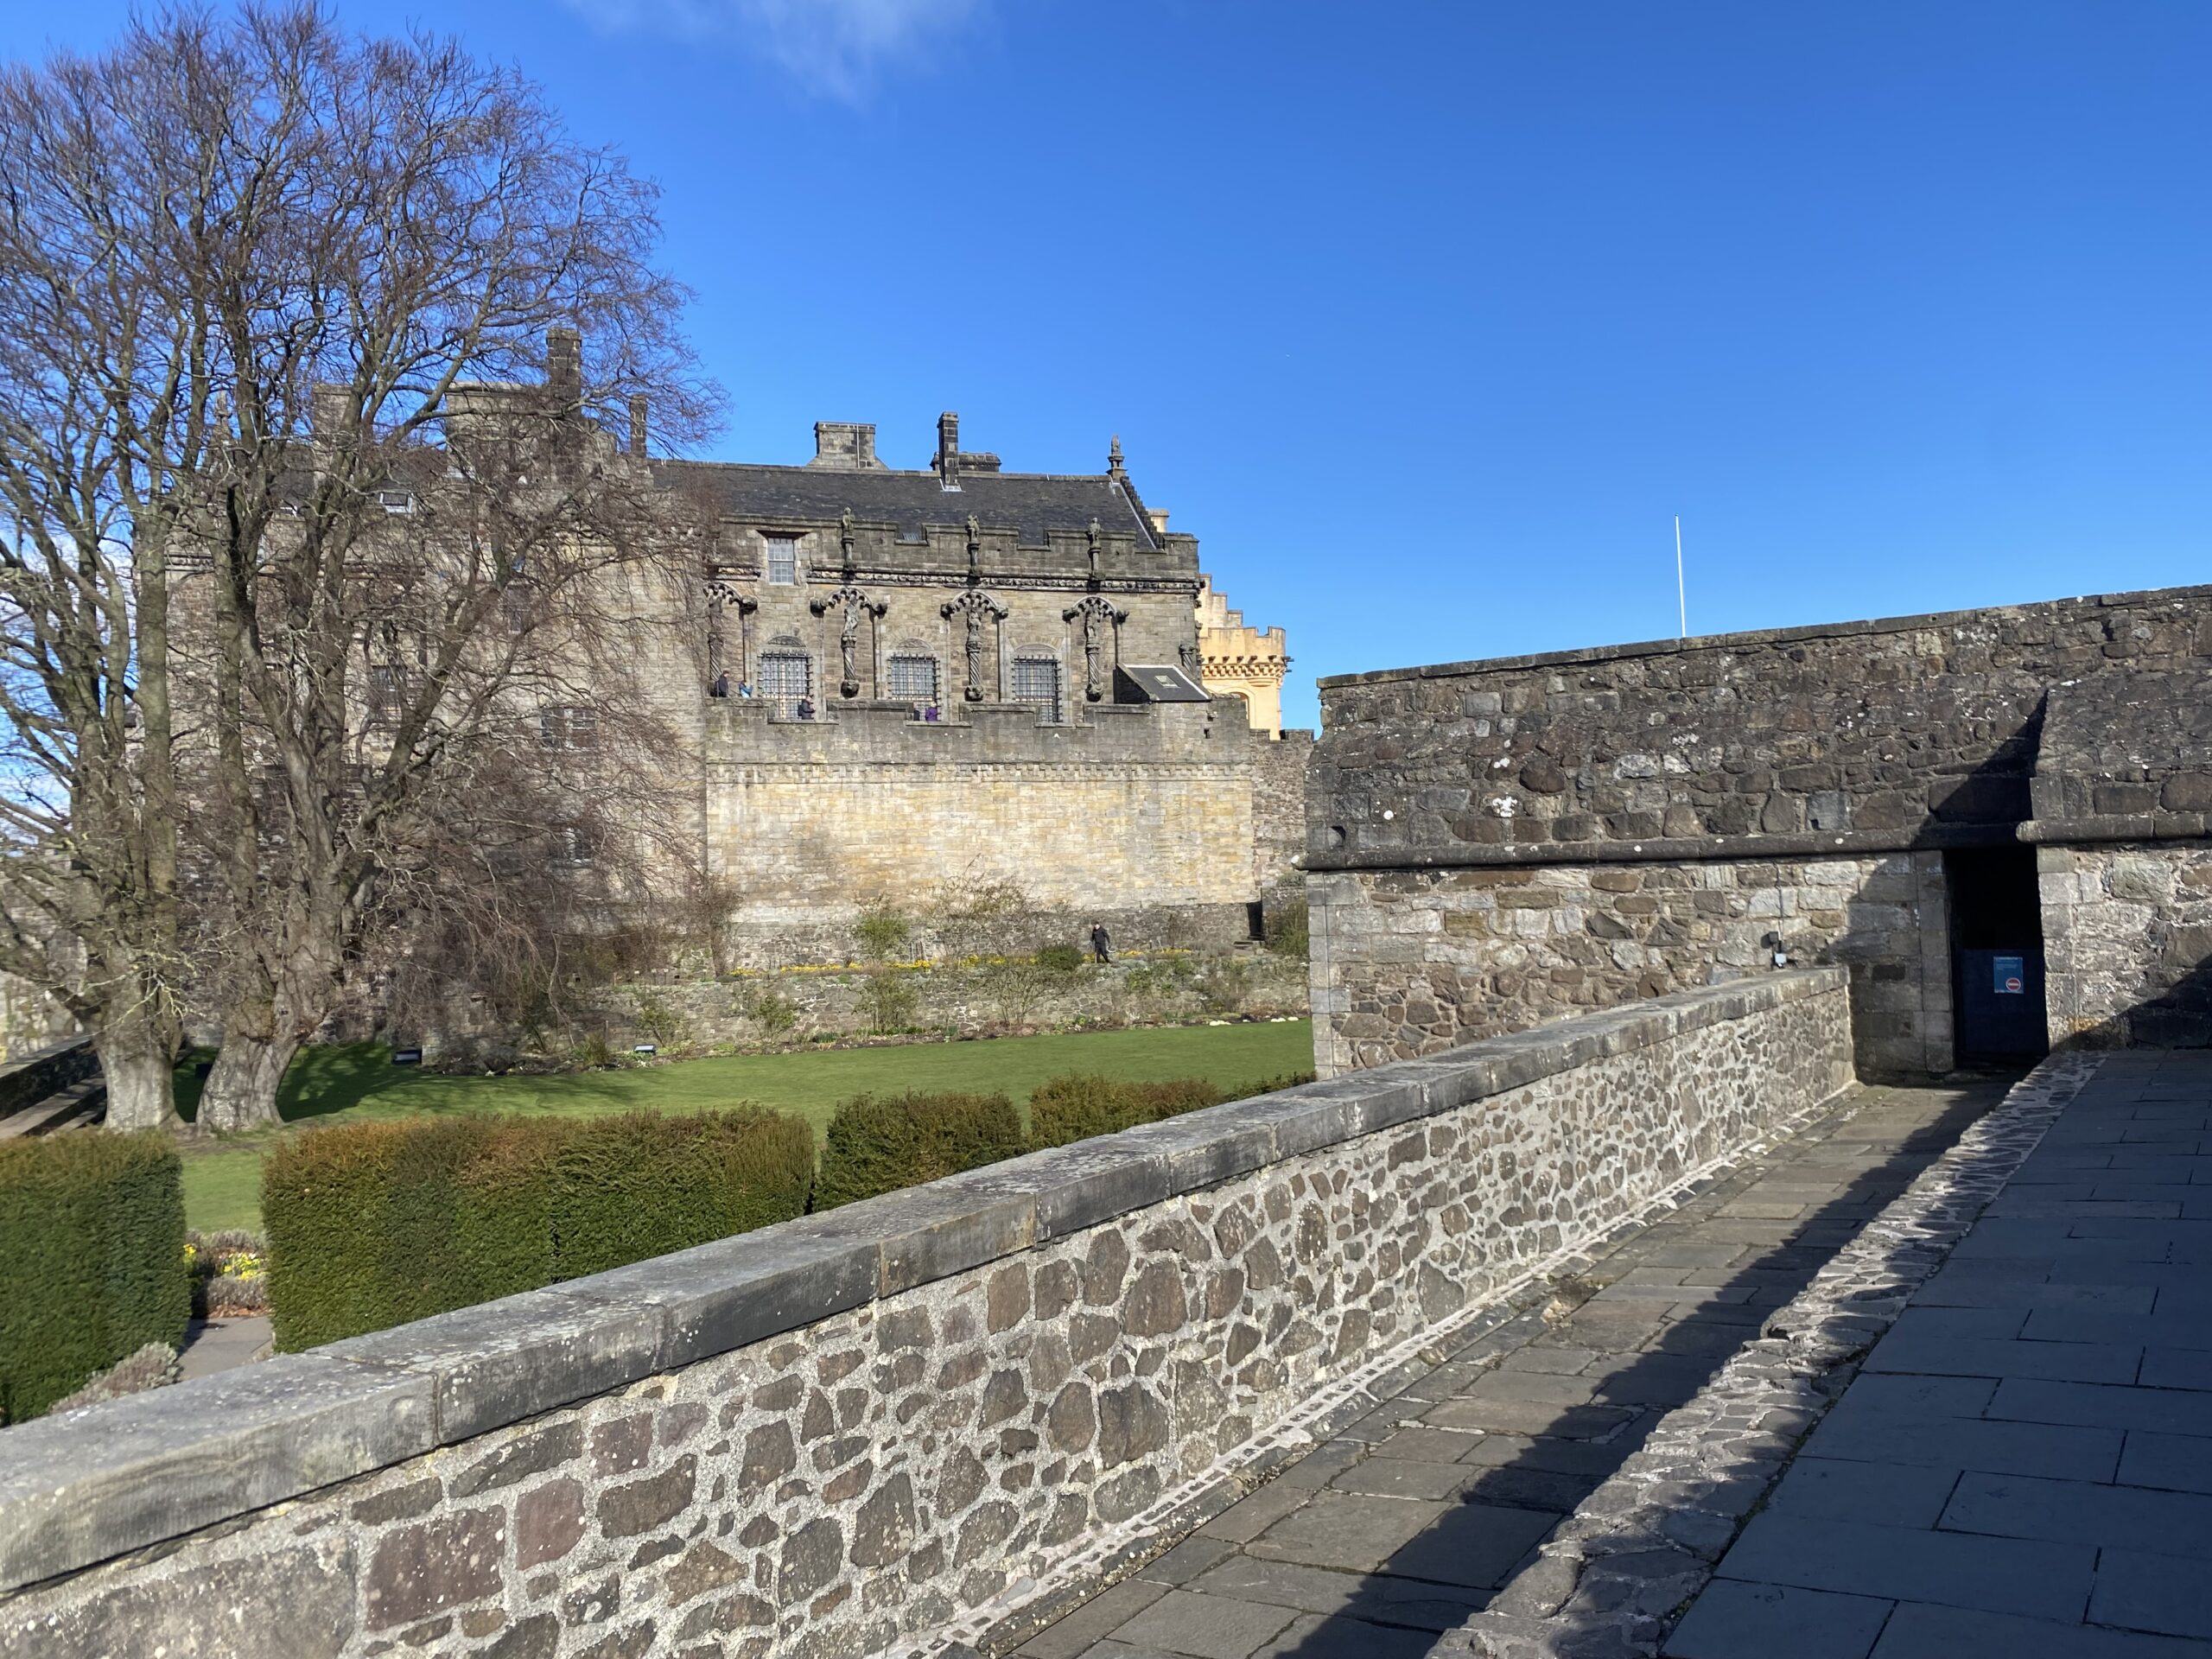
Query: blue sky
1427 319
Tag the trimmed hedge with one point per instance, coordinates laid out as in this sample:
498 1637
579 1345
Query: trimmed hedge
1077 1106
373 1225
878 1144
92 1229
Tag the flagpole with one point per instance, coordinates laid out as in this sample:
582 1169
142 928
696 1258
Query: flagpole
1681 594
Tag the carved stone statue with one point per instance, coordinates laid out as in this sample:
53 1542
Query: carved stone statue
977 608
1094 534
856 605
1098 616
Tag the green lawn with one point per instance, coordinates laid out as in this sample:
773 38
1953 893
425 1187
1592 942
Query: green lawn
222 1185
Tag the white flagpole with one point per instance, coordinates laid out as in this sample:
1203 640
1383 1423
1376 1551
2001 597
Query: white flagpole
1681 594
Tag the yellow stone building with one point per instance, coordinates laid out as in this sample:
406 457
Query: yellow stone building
1237 661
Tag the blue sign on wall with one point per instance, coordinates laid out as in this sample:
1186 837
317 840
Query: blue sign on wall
2011 975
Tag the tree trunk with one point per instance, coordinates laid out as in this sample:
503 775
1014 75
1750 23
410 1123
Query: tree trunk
241 1091
140 1075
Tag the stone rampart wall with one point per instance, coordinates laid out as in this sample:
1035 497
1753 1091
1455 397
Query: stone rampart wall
1279 808
2127 944
1411 962
848 1434
1866 736
1136 808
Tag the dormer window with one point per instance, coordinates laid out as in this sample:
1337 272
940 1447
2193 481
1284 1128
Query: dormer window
395 501
783 559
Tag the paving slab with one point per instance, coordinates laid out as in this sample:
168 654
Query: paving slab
1404 1525
2023 1465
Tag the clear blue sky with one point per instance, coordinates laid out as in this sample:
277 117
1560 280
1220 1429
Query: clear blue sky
1427 319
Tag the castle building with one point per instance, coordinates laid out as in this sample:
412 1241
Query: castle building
1242 663
960 678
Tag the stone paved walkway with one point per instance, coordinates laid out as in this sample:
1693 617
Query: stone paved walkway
1406 1522
2024 1465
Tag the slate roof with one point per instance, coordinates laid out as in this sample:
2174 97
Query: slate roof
1029 503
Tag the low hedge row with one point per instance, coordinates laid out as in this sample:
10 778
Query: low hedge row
1079 1106
373 1225
880 1143
91 1228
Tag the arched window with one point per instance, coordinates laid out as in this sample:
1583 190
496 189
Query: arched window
787 671
1037 680
911 674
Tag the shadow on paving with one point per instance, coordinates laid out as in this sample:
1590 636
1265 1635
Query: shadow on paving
1411 1519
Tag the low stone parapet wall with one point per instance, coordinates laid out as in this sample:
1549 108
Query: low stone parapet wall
30 1077
849 1433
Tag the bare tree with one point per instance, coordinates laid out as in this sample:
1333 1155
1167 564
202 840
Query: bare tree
399 311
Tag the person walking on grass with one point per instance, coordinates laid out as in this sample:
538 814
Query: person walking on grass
1102 945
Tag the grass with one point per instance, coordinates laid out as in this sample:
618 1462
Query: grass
222 1184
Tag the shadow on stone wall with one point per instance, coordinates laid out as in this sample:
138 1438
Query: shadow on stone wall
1556 1455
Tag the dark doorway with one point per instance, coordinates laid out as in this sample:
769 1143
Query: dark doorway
1996 953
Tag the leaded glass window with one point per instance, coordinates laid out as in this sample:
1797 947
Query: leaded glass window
783 559
785 676
913 677
1037 680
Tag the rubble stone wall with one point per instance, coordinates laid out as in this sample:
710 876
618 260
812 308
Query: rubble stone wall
2127 944
839 1436
1415 961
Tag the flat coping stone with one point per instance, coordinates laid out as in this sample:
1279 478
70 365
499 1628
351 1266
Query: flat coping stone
81 1486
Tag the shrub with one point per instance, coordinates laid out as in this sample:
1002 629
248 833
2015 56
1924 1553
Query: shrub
91 1228
1284 929
1077 1107
879 1143
889 1001
1063 959
373 1224
773 1012
1224 984
229 1272
663 1025
881 931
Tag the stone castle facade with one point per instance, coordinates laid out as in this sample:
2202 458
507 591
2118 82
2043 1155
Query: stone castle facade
1997 819
916 684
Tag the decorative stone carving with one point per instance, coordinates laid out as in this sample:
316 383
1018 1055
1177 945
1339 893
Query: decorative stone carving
857 605
845 543
974 551
1187 654
1101 624
1093 534
720 596
976 608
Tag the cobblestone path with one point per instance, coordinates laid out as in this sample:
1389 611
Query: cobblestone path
1405 1523
2023 1467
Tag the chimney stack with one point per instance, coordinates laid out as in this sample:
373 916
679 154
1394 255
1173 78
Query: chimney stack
638 425
845 447
564 369
948 447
